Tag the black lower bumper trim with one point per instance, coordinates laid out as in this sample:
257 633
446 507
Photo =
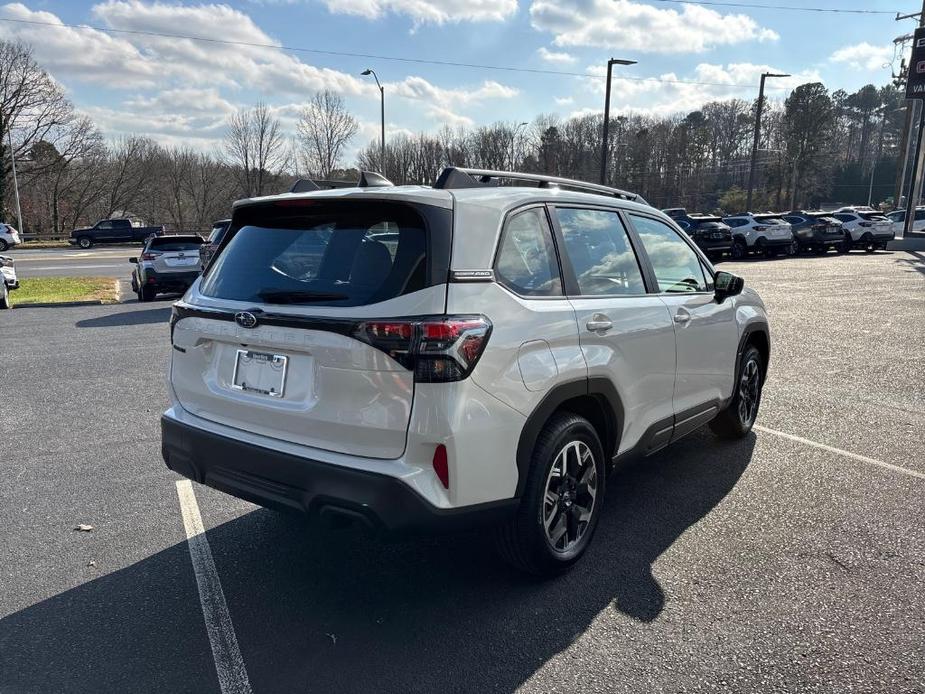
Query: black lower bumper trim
288 482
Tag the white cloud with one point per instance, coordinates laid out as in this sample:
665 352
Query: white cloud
556 57
565 100
428 11
628 25
671 93
864 56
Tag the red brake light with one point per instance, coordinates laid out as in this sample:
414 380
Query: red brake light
865 224
438 349
149 256
761 228
441 466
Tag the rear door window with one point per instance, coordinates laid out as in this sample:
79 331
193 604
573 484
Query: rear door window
526 262
322 253
600 252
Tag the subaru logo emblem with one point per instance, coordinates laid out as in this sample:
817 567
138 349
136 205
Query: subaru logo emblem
245 319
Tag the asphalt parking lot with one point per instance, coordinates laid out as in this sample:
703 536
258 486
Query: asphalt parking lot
792 561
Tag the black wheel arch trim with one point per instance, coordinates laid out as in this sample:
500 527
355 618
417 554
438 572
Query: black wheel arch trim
758 327
599 387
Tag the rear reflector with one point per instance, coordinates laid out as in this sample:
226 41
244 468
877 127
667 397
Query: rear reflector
441 466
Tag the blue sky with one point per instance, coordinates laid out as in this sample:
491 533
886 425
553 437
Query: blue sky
180 91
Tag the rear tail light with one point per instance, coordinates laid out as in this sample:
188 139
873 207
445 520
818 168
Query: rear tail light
866 224
149 255
438 350
761 228
441 466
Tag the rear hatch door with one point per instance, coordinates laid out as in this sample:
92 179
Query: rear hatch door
278 337
175 254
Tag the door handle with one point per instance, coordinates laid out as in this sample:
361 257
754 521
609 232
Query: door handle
682 318
599 322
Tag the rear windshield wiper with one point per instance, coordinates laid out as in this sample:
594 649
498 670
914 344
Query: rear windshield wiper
299 296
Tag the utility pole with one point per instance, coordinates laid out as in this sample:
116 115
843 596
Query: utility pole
604 148
914 90
907 126
757 136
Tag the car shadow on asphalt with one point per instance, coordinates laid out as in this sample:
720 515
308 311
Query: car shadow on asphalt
123 318
337 611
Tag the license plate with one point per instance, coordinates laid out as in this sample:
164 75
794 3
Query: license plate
181 262
259 372
716 235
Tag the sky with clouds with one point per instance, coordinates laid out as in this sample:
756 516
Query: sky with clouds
178 90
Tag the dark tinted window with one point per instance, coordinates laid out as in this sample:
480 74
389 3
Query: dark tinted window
793 219
600 252
919 215
218 231
735 221
873 216
677 267
322 253
527 262
844 217
174 243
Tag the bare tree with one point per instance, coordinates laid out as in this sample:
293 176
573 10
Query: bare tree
325 127
31 105
256 145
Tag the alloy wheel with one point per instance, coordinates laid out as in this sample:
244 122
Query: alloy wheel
749 392
570 496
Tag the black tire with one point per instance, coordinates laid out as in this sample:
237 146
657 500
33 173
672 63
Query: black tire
4 296
822 250
524 542
3 245
737 419
844 246
794 248
85 242
739 250
147 294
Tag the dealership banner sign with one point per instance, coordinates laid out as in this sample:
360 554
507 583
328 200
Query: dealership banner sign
915 82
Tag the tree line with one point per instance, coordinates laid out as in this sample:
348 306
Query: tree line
816 146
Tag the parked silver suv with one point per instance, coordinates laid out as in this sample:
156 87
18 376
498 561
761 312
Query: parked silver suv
419 358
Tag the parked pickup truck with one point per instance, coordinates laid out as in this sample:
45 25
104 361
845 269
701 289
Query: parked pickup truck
112 231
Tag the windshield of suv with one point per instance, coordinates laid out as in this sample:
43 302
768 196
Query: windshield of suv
770 219
323 254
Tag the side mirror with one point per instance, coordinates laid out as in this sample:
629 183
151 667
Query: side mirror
726 284
133 260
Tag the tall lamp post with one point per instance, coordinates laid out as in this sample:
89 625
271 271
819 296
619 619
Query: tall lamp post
514 143
366 73
757 136
15 180
604 148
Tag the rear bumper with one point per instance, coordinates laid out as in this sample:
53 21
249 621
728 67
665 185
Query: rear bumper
288 482
714 245
775 243
170 280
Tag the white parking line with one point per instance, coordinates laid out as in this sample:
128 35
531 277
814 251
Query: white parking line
847 454
232 676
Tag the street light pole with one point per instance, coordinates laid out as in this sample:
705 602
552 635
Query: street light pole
15 181
604 148
368 72
756 137
514 144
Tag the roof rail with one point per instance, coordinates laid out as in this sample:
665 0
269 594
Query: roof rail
454 177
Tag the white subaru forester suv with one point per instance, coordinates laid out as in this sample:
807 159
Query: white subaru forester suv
418 359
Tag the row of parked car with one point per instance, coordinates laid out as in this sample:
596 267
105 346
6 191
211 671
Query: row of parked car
798 231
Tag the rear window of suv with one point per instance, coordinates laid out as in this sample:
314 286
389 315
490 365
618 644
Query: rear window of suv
167 244
322 253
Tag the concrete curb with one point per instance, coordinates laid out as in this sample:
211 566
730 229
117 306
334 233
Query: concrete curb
63 304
